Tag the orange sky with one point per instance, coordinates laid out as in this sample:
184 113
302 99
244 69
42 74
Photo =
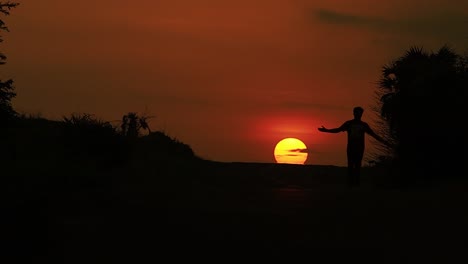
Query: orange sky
229 78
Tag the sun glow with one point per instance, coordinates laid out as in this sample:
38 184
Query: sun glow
291 150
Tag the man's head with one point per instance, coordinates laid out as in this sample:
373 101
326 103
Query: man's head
358 111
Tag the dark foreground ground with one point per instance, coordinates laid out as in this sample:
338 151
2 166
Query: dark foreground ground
223 211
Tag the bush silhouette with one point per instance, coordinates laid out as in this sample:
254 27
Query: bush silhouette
87 137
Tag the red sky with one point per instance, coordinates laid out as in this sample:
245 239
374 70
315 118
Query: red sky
229 78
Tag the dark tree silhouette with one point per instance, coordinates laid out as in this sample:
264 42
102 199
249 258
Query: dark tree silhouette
421 101
6 87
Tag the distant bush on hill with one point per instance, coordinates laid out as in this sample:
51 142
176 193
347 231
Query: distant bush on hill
159 144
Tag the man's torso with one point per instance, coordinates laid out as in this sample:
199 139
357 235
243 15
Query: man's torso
356 130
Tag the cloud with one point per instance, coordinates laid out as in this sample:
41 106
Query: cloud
294 153
449 25
329 16
299 151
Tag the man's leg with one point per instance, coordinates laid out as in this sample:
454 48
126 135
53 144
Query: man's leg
359 156
357 172
353 173
354 165
356 176
350 171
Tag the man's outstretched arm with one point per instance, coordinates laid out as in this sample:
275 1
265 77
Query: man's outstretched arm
377 137
331 130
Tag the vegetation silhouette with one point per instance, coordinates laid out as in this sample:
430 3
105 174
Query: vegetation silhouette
7 92
132 124
419 95
356 130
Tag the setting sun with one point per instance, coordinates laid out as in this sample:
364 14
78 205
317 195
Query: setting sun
290 150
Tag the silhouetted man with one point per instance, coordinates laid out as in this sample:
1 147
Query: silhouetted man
356 129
